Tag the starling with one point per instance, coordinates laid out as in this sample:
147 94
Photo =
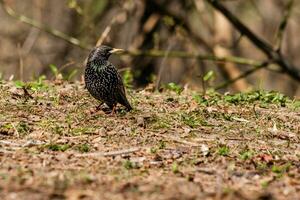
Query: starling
102 79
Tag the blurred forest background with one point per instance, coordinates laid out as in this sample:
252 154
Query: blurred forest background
192 27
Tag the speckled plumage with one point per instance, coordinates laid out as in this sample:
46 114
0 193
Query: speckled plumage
102 79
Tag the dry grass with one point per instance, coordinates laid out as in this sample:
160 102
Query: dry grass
55 146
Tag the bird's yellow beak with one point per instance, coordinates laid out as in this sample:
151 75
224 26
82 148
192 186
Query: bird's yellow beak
117 51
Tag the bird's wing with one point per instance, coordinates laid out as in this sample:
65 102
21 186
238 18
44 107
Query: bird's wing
121 94
120 89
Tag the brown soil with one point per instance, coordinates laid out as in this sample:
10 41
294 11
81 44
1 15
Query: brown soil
54 145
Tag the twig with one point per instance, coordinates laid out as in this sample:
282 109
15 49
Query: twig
265 47
178 140
40 26
243 75
30 40
163 66
33 33
112 153
219 186
106 32
4 142
21 63
65 66
29 143
208 171
184 54
260 43
16 130
283 25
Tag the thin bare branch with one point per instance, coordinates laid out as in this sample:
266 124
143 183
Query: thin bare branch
106 32
163 65
243 75
111 153
42 27
265 47
184 54
283 24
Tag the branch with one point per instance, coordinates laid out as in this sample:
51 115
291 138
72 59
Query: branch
243 75
273 55
184 54
111 153
106 32
260 43
283 24
36 24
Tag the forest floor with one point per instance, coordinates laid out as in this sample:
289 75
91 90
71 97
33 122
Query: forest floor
55 145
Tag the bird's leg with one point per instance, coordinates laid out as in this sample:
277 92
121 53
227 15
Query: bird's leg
114 110
99 106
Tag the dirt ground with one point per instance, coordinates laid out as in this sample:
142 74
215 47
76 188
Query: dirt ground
55 145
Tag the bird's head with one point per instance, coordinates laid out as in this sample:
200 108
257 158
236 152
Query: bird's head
103 52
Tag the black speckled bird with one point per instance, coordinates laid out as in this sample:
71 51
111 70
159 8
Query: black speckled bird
103 80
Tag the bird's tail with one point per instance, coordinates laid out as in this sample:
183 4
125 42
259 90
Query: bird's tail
128 107
126 104
121 98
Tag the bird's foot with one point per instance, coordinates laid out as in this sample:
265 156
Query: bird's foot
99 106
113 111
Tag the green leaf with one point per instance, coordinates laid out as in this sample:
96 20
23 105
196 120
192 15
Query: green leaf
53 69
209 76
224 151
19 84
73 4
72 74
174 87
128 79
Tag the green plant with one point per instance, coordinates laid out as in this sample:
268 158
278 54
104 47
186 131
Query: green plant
66 76
6 129
295 104
174 87
246 155
19 84
190 120
153 150
128 164
260 96
23 128
210 98
58 147
84 148
128 78
58 129
193 119
280 169
70 75
36 85
223 151
175 167
162 144
54 70
210 75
